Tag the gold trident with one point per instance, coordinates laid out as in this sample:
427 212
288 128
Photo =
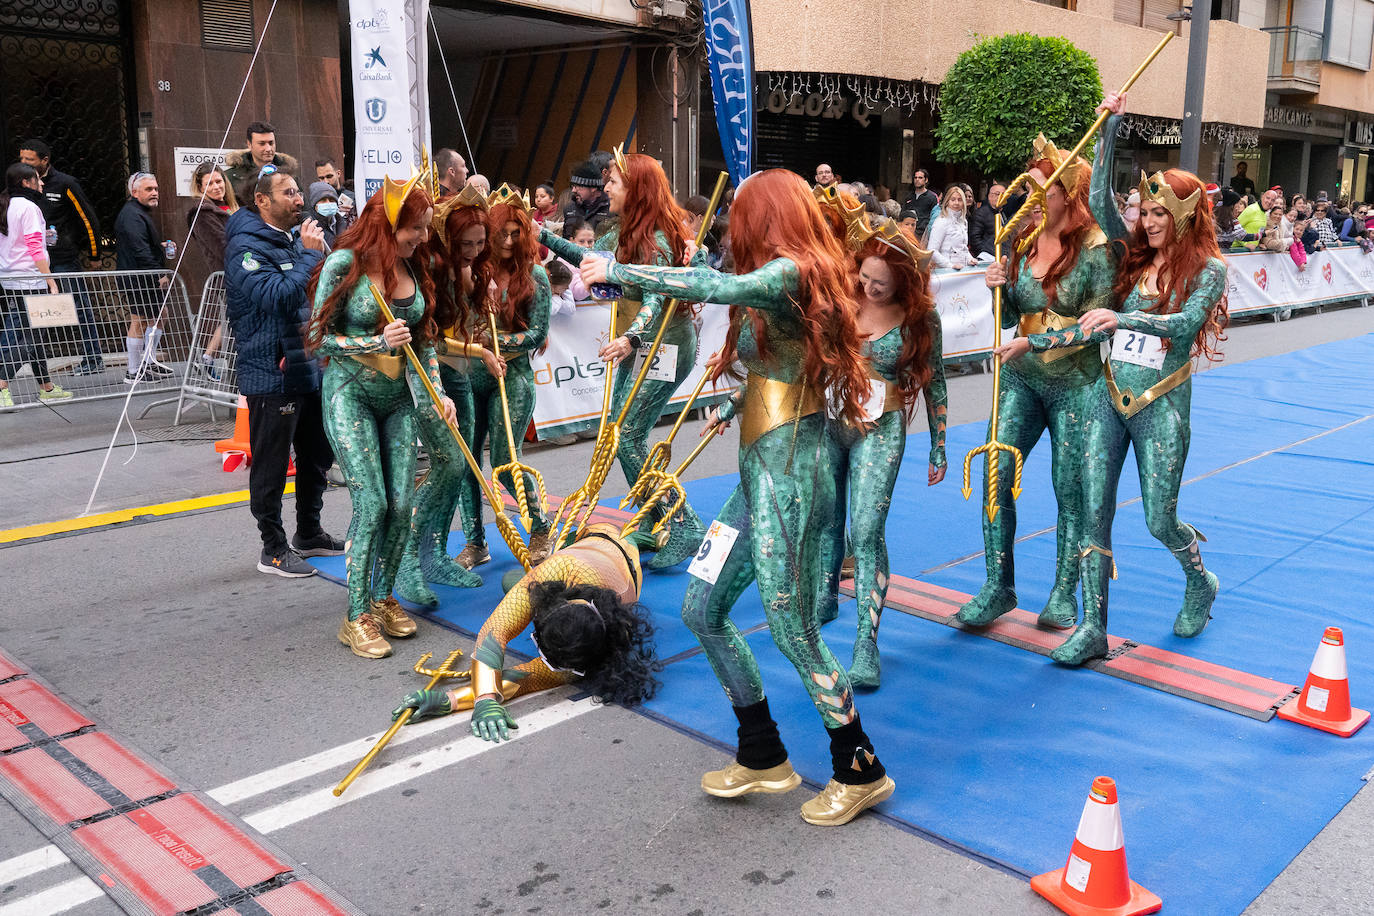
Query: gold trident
509 533
579 504
435 675
516 469
666 482
1036 198
992 447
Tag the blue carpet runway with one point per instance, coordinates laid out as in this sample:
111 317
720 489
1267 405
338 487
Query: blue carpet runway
994 748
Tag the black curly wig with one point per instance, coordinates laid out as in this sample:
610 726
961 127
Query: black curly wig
610 644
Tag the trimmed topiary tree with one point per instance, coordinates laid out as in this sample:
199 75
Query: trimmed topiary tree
1004 91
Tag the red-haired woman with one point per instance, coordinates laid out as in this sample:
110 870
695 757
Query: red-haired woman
794 329
519 293
370 394
902 340
1171 285
457 255
652 231
1066 272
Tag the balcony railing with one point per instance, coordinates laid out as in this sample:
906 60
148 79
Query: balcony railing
1295 59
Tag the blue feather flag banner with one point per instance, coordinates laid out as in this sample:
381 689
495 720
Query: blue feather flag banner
730 57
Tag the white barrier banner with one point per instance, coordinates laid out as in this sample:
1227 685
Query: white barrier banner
965 305
384 33
570 377
1265 280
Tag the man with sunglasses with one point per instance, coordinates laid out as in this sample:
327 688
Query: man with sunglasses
267 267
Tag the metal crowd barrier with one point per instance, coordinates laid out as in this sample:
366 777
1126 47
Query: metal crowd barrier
212 381
77 337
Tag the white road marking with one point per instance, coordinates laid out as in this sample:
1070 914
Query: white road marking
73 893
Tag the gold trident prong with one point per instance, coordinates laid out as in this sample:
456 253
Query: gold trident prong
443 672
668 481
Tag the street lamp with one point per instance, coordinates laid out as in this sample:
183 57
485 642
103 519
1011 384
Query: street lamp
1190 150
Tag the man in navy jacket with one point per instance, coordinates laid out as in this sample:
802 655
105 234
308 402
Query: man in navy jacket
266 270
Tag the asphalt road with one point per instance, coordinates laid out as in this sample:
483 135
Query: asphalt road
234 682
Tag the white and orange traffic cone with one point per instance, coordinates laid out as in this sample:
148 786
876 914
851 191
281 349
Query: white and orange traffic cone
1095 881
235 449
1325 699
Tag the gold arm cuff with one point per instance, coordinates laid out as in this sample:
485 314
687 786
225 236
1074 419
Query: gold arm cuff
390 366
1128 403
1043 323
626 310
485 680
456 353
769 403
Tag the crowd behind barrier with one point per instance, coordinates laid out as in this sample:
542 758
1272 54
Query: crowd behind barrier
198 344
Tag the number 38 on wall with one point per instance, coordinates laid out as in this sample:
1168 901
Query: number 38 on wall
164 85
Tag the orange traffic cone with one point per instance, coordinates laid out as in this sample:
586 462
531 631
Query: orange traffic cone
1325 699
236 449
1095 881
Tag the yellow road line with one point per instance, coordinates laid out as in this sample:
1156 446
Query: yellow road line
100 520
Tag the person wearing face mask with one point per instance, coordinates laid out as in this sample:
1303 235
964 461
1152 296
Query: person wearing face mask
322 203
1171 286
1065 272
372 396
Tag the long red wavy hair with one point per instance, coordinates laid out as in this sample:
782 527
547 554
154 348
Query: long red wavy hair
775 216
910 289
453 307
373 243
649 208
514 274
1073 229
1184 258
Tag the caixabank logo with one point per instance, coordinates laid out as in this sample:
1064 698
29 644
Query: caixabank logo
375 69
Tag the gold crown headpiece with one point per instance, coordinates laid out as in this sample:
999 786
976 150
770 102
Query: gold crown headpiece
620 162
1155 188
506 195
1077 171
858 229
468 197
394 194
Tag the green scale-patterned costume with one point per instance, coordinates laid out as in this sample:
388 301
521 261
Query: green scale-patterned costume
489 422
783 509
1039 393
1159 433
426 558
370 419
686 530
865 467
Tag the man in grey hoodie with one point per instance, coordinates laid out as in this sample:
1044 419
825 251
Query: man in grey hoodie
322 205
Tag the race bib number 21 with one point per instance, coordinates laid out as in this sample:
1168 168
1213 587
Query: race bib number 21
1141 349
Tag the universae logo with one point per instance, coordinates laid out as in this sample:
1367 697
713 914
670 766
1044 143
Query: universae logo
375 109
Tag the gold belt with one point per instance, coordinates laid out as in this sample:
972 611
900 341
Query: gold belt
626 309
769 403
1043 323
1128 403
388 365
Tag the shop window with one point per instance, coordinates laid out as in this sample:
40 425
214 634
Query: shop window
227 25
1350 33
1152 14
1062 4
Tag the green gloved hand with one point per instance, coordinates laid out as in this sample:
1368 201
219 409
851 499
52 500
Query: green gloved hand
426 703
490 721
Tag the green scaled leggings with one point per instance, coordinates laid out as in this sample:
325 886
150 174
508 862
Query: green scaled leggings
489 421
370 422
426 558
782 516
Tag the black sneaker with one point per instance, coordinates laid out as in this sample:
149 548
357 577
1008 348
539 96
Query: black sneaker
287 564
89 366
154 369
320 545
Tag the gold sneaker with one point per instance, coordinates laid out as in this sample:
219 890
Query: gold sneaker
473 555
736 780
839 804
541 545
394 620
364 637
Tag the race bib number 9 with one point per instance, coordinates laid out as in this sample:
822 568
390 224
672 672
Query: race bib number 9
714 551
663 367
1141 349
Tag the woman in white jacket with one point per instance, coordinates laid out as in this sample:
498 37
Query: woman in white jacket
948 241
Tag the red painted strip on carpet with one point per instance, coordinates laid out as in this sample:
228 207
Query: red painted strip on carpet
297 899
9 667
26 703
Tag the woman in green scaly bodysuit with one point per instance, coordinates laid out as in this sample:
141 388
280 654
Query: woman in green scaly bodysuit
521 298
370 394
1172 288
652 230
795 332
1066 272
904 350
457 255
